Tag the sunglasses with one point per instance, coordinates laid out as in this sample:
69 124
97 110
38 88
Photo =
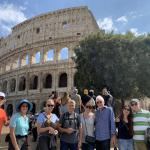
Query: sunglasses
24 106
99 102
1 97
90 107
134 104
50 105
127 109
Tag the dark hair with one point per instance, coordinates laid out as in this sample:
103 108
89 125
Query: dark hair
130 119
22 104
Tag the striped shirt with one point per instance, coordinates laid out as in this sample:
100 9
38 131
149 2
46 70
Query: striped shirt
141 121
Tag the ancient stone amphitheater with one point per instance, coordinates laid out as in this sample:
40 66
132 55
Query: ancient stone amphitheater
36 58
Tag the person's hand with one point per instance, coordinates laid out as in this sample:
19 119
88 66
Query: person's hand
51 130
17 147
117 119
70 130
113 140
79 144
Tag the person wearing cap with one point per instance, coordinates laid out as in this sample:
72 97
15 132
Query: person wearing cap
3 116
19 126
141 121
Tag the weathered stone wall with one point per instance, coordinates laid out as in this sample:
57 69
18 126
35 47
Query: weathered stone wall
22 75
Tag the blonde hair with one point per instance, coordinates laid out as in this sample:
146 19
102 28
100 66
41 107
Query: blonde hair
71 102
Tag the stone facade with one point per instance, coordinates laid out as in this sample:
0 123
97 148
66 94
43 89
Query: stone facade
36 58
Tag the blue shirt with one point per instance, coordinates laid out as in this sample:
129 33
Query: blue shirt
42 118
104 124
20 123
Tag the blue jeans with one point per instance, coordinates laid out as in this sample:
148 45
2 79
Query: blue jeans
86 146
68 146
103 145
125 144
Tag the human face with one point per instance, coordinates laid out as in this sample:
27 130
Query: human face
24 108
100 103
126 110
71 107
135 106
50 105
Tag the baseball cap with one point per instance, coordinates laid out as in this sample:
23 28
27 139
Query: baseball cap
2 94
134 100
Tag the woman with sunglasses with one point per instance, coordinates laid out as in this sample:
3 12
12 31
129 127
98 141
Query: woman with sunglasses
19 126
46 127
125 129
87 120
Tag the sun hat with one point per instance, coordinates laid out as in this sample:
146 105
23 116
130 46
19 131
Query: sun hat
2 94
30 105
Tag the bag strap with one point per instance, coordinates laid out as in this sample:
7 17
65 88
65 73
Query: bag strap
85 124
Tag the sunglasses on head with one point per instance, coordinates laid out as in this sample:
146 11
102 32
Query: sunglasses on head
90 107
48 105
133 104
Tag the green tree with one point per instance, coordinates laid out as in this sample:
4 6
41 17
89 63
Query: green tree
114 60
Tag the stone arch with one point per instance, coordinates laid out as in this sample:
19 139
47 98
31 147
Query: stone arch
12 85
63 80
64 53
5 84
22 83
9 110
49 55
47 81
34 82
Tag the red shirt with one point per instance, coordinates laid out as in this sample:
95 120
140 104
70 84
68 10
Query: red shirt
3 118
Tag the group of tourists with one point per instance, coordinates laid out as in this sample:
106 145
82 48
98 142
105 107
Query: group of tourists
79 122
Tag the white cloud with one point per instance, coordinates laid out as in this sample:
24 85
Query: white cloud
122 19
135 31
106 24
10 15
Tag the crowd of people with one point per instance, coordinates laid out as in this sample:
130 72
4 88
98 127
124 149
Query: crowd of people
84 122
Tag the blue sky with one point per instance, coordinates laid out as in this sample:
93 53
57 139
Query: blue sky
117 15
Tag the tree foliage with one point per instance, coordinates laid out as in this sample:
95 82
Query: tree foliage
121 62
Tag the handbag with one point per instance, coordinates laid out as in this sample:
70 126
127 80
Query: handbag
147 136
88 139
7 138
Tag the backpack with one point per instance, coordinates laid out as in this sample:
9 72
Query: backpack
76 119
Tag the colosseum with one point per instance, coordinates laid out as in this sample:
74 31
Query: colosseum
36 58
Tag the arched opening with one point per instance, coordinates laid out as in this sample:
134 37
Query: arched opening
48 81
33 111
15 63
49 55
36 58
63 80
22 83
34 82
12 85
25 60
5 86
64 53
9 110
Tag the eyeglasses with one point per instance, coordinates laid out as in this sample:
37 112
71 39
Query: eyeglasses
133 104
50 105
127 109
90 107
99 102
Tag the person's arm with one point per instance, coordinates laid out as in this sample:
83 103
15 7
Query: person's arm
80 136
113 128
13 138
